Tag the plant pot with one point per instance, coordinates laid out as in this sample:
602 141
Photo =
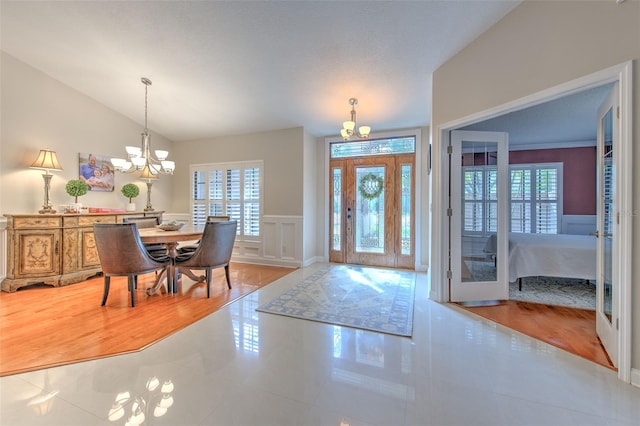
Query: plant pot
130 207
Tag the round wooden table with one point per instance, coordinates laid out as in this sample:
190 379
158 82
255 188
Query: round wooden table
171 239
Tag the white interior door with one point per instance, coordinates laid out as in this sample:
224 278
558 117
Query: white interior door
478 217
607 283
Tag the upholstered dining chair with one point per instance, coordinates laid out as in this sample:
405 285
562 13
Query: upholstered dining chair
214 251
122 253
192 247
154 249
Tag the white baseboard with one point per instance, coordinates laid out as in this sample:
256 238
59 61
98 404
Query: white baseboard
635 377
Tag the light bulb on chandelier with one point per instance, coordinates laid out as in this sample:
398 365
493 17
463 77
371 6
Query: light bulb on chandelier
140 158
349 127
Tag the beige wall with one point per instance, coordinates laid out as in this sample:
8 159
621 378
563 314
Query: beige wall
40 112
281 150
541 44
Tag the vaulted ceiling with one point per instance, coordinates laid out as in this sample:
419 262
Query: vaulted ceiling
221 68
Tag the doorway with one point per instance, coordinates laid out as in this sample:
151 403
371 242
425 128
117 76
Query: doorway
372 203
441 235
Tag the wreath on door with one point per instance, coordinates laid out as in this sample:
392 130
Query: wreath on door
370 186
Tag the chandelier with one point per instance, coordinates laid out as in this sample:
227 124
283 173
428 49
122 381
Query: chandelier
349 127
140 158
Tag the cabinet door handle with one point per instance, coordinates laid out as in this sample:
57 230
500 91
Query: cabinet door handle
56 248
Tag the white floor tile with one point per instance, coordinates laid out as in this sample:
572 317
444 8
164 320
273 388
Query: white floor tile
240 367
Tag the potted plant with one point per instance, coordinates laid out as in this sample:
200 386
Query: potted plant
130 191
76 188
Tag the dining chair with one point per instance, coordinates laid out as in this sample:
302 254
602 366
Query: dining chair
192 247
122 253
214 251
154 249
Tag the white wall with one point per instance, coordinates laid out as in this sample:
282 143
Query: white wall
40 112
539 45
310 200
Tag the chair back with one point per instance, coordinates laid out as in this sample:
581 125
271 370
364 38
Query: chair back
144 221
121 251
218 218
216 245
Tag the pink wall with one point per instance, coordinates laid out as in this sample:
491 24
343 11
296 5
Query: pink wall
579 179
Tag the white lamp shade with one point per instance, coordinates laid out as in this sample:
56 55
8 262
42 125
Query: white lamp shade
138 161
47 160
349 125
161 154
364 131
133 151
168 166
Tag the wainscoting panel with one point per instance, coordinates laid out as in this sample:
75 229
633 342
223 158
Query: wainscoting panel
578 224
282 240
280 243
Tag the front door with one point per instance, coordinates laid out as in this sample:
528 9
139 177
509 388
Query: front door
607 224
372 211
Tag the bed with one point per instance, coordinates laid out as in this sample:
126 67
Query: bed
549 255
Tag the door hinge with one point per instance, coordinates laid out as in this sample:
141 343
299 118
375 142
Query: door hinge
450 149
449 274
449 212
618 218
618 112
617 323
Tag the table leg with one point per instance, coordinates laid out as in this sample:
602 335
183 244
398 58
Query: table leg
169 272
190 274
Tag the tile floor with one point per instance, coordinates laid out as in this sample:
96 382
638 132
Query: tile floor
240 367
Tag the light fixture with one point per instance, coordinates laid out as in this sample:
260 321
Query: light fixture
147 176
349 127
48 161
141 159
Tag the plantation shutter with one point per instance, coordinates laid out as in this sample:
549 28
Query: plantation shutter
233 189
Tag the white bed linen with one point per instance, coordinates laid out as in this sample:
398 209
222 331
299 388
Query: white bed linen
549 255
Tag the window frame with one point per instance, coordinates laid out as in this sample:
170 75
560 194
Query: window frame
533 202
224 200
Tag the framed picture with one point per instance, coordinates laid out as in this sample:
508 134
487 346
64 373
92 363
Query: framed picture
97 172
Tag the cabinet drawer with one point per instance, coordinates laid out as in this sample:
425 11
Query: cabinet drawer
36 222
90 220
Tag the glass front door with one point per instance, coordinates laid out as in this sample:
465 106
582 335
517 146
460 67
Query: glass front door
372 206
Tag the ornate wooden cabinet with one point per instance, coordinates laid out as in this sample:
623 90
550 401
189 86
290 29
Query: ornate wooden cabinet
54 249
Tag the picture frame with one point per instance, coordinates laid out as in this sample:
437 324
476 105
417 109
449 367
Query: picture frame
97 171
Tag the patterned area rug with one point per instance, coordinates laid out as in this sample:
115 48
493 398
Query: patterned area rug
365 298
571 292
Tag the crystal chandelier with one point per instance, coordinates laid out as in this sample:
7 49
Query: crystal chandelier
140 158
349 127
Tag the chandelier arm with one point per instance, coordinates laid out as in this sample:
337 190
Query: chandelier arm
153 164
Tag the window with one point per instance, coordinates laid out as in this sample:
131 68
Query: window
535 198
233 189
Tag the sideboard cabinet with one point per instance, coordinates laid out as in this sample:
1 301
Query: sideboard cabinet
54 249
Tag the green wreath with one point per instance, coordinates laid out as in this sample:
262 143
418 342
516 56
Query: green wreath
370 186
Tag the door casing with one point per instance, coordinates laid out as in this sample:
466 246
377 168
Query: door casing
623 74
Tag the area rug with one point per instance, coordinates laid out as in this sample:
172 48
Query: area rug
365 298
570 292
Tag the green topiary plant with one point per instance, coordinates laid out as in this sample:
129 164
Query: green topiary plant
76 188
130 191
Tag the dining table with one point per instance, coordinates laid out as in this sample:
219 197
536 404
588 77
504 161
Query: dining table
171 240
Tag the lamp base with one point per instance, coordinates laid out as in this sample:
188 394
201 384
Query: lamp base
47 210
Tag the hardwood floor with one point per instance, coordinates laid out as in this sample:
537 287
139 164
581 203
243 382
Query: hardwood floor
43 326
573 330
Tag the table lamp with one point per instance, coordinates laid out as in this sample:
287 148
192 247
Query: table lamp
47 161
